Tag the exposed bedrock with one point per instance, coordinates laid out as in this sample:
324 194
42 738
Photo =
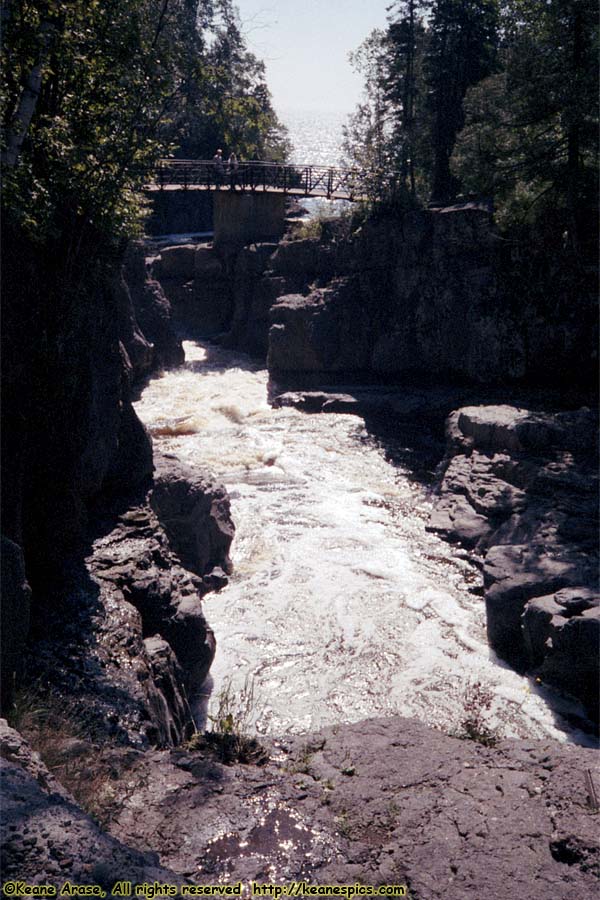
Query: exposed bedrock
328 331
437 294
70 432
380 802
197 283
125 644
47 837
152 314
440 294
520 488
194 511
71 436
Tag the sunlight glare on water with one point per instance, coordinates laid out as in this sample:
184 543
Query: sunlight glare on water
341 606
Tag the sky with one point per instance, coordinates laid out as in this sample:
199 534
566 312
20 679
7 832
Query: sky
305 46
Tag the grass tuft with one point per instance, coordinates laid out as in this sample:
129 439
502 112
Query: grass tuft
229 739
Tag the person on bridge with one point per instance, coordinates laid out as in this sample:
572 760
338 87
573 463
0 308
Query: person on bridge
233 170
219 167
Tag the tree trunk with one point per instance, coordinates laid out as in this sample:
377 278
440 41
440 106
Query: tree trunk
573 138
15 134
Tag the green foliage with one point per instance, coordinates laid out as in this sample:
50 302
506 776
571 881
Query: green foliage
93 92
531 130
416 75
367 136
406 42
107 69
229 739
477 701
226 102
461 51
485 97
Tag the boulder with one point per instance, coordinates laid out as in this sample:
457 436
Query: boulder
507 428
207 265
455 519
562 639
176 263
195 514
317 333
305 258
317 401
513 575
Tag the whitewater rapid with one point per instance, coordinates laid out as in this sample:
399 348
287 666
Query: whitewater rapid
341 606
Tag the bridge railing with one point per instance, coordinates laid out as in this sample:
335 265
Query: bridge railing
253 175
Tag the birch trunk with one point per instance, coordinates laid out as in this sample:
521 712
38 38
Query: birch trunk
15 134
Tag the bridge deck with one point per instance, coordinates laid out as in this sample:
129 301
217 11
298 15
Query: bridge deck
296 180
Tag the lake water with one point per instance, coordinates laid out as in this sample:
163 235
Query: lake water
317 140
316 136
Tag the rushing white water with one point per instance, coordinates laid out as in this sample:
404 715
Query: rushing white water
341 606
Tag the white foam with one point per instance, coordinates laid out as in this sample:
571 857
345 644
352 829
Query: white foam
342 606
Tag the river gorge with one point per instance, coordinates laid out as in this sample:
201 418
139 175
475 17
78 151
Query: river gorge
341 606
328 617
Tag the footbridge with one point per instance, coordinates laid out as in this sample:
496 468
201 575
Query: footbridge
253 175
241 203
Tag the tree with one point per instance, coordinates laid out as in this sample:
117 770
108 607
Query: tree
461 52
104 75
405 45
417 74
226 102
95 91
531 130
367 135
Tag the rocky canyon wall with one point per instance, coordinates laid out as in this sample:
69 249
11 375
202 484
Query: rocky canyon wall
438 294
103 568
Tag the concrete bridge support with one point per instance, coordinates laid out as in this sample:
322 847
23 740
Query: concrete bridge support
177 211
240 218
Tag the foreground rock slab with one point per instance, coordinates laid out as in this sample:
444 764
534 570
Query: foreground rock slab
385 801
47 838
380 802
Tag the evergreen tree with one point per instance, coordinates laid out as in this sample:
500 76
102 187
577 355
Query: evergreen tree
403 80
226 102
531 134
462 51
367 135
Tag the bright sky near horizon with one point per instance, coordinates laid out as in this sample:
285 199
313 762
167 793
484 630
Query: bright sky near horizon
305 46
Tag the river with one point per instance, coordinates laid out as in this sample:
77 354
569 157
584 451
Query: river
342 606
